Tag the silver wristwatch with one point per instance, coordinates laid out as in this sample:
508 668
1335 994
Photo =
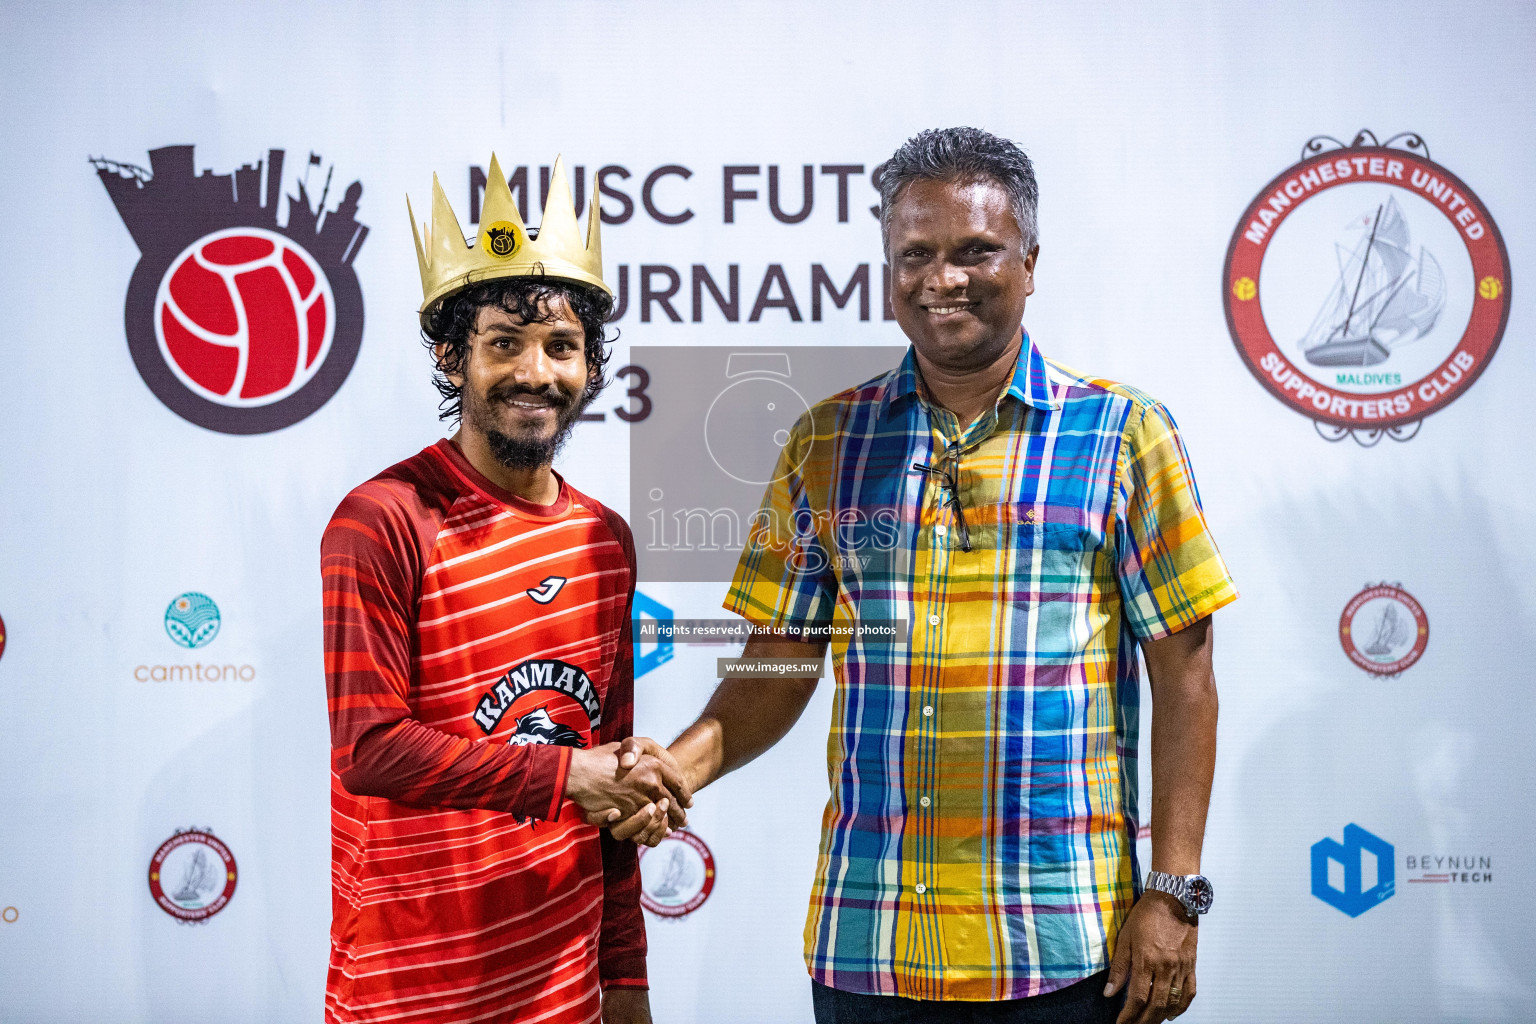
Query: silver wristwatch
1194 892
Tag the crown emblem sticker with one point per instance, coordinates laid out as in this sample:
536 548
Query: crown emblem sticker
1384 630
1366 286
501 239
238 323
192 875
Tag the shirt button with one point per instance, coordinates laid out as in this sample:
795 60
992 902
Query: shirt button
924 802
933 620
941 530
928 710
920 888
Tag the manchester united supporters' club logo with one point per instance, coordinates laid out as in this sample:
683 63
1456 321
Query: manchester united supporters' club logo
192 875
1366 286
236 322
548 701
1383 629
677 876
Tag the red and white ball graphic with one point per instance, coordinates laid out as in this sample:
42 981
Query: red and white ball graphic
244 317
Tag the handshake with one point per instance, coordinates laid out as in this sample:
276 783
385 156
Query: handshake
635 789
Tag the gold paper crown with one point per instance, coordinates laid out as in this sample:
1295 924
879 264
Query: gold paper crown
503 249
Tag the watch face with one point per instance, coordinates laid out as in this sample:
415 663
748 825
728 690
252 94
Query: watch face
1198 891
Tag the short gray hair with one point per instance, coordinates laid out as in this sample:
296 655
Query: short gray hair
962 154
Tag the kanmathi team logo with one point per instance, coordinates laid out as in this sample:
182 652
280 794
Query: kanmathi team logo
677 876
1367 286
1384 629
192 875
238 323
547 700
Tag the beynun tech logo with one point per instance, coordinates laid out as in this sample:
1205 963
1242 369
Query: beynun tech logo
1384 630
1366 872
238 323
192 875
1366 286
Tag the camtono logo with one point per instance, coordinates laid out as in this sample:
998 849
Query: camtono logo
192 620
236 322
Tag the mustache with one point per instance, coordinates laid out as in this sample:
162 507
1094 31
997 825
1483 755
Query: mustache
552 393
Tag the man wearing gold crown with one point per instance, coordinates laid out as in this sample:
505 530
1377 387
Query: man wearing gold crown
479 665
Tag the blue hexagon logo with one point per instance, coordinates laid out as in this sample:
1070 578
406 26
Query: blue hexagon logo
1354 897
650 656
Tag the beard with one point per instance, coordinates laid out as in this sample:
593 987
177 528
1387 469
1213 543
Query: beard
526 449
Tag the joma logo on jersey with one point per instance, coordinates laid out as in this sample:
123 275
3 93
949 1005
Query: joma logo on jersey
556 677
545 592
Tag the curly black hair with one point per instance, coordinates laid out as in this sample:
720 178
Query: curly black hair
450 321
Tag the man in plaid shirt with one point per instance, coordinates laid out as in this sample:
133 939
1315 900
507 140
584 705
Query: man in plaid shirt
1035 526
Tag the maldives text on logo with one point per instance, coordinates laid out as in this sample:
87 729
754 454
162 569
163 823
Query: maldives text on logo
1355 875
192 619
1366 286
1383 629
677 876
236 322
192 875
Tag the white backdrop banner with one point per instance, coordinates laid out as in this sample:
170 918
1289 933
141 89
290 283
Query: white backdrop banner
1300 227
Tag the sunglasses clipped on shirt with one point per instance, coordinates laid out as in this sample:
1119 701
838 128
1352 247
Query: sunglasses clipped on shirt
947 477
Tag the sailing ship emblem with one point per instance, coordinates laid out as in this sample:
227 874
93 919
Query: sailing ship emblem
677 876
1386 295
1403 299
192 875
1384 629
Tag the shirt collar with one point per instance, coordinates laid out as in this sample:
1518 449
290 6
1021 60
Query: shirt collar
1030 384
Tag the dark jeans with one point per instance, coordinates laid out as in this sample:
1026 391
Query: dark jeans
1080 1003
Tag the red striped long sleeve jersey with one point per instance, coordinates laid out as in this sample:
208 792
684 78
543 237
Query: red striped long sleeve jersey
472 639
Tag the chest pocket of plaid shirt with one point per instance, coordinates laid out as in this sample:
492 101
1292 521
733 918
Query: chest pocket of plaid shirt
1042 526
1051 548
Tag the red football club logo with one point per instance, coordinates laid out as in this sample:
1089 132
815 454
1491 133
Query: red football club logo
236 322
192 876
243 317
1367 287
1384 630
677 876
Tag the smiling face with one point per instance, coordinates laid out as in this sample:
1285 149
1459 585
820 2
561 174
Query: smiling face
524 382
959 272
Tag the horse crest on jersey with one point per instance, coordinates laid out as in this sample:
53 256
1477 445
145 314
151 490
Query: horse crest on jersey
554 700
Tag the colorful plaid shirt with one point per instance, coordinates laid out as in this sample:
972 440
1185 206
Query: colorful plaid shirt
980 839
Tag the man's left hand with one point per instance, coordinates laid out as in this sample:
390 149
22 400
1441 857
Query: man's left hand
1154 961
626 1006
